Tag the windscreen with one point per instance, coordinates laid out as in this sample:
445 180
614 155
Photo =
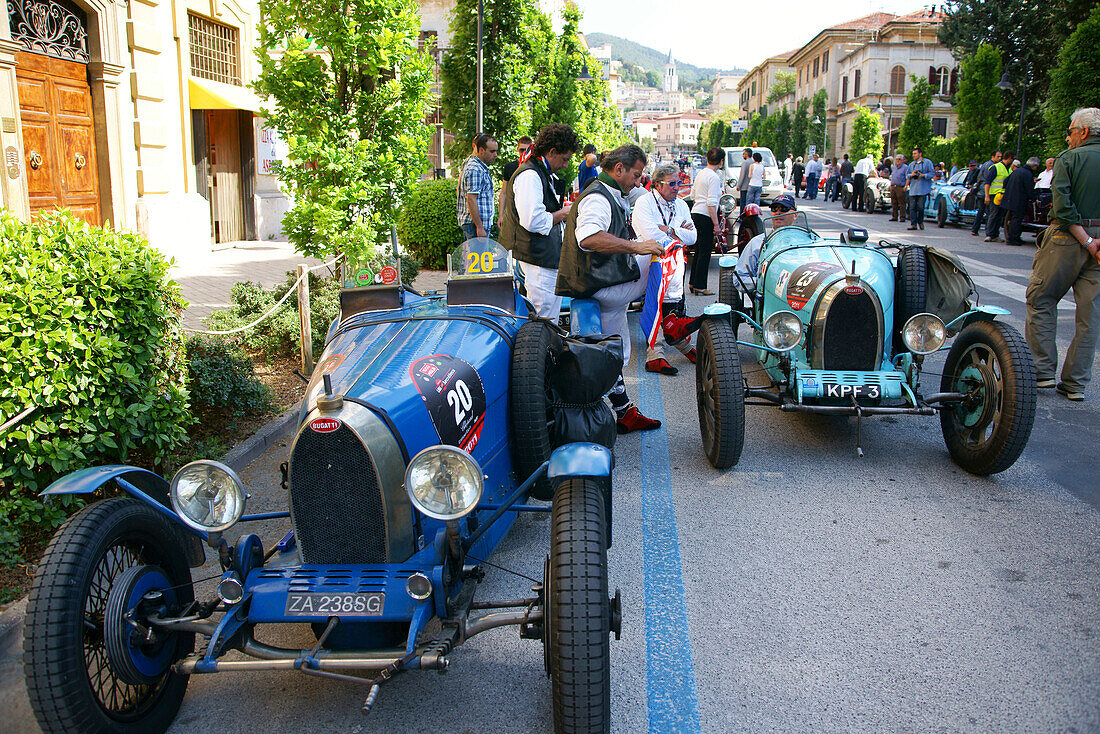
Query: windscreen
479 256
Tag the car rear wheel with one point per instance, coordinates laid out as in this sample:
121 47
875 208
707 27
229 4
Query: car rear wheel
749 228
846 196
720 392
941 212
870 205
530 412
86 671
990 361
911 292
578 610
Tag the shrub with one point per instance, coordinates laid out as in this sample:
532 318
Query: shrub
427 225
223 384
90 333
942 150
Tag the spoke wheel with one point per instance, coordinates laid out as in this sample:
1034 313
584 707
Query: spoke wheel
71 681
988 431
720 393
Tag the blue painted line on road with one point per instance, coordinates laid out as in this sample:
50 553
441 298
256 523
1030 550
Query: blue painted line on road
670 672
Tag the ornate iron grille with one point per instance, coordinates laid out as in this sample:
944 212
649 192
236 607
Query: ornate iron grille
52 27
336 500
215 50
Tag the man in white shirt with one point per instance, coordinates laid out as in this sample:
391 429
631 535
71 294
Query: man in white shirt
599 260
532 216
704 213
864 166
661 212
788 165
1046 176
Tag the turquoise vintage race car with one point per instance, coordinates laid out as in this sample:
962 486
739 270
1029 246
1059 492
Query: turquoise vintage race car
843 327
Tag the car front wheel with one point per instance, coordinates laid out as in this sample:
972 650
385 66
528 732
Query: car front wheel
990 363
720 392
529 406
941 212
87 671
579 613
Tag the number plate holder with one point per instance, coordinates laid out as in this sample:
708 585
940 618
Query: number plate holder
342 604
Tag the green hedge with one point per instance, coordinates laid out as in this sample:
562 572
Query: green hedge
90 333
428 223
223 384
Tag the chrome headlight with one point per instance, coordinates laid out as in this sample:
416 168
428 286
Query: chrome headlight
924 333
726 204
782 331
444 482
956 195
208 496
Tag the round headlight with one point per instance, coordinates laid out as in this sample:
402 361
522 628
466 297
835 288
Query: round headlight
726 204
444 482
956 195
924 333
208 496
782 331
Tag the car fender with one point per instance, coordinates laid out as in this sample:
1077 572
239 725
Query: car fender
142 485
978 313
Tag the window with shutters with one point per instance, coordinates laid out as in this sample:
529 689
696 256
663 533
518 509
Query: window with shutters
800 76
215 50
944 80
855 90
939 127
843 134
824 62
816 65
844 90
897 80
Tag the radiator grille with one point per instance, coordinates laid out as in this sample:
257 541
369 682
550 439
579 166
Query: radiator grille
851 340
336 500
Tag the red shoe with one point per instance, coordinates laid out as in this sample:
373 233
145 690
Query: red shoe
675 327
660 365
691 355
632 420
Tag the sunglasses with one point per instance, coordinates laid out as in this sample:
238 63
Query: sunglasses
672 184
780 210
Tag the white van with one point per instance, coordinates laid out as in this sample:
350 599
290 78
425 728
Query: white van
773 181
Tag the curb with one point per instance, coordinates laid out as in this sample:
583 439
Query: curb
250 449
11 625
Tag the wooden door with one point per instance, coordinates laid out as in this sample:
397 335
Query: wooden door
224 162
59 155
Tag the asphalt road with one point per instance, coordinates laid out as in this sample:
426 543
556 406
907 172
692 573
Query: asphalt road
804 590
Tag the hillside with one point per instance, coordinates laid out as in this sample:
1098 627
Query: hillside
650 59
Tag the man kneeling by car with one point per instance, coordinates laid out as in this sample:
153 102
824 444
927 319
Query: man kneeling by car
600 261
748 265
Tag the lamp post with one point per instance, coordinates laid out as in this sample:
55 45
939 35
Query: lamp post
879 110
1006 85
817 121
480 71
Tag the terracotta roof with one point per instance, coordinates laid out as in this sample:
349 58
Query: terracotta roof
787 54
921 16
871 22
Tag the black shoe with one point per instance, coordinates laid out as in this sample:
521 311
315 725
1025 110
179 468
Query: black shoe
922 226
1076 397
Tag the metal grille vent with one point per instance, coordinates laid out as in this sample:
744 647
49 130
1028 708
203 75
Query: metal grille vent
336 500
215 50
851 340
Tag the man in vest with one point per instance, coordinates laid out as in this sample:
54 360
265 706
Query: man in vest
994 191
984 177
532 214
600 260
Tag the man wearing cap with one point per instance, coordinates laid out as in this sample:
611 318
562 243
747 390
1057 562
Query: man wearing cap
1069 257
748 265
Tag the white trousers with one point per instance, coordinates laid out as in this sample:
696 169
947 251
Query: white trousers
540 284
614 301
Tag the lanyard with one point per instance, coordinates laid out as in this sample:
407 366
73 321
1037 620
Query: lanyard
661 209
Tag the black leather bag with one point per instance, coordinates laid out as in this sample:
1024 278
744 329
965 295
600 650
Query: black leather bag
582 370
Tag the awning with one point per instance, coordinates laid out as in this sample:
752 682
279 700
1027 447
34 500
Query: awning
209 95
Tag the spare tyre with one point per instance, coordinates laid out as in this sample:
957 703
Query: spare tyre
911 290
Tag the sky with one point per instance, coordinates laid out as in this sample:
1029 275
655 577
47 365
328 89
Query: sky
749 31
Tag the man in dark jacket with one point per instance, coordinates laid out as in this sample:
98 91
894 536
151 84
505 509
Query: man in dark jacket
797 171
1019 192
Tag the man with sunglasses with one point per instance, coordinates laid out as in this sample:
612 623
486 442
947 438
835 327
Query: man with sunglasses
657 213
748 265
1069 257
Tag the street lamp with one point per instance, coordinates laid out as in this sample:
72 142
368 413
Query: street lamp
1006 85
817 121
879 110
584 75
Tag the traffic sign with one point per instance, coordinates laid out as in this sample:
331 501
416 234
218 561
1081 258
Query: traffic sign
738 126
813 150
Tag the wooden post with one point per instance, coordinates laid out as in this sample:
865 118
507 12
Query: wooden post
303 317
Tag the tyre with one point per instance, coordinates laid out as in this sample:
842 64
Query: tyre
911 290
578 610
529 409
72 683
727 288
846 197
720 393
988 433
941 212
869 203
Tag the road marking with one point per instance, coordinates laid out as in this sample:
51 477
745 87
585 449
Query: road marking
670 673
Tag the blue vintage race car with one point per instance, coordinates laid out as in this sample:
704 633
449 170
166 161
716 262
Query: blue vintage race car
426 428
842 327
951 201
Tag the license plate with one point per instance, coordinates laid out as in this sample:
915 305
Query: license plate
851 391
335 605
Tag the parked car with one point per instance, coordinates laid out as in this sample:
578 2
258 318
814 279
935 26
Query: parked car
424 432
773 181
876 195
951 201
843 327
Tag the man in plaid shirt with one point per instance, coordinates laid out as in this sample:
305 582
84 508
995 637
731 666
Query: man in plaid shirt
475 189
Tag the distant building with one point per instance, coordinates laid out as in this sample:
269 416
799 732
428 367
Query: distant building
671 81
646 127
677 132
723 91
754 87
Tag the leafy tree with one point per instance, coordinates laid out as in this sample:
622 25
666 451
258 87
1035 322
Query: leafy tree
979 105
753 130
781 144
866 135
1075 82
818 133
352 116
916 127
768 132
653 79
784 85
800 128
515 45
